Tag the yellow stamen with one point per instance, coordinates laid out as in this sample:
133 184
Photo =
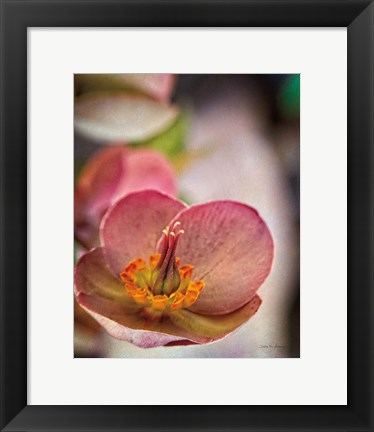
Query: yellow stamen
177 301
154 259
127 277
159 302
196 286
131 288
193 292
137 264
186 271
141 296
190 299
161 285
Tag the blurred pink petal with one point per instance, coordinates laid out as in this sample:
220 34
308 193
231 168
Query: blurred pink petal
109 175
147 169
96 186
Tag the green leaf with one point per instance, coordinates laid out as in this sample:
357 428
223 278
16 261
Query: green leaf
183 197
170 142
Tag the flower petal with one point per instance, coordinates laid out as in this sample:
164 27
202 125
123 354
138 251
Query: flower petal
215 326
83 320
135 327
158 86
121 117
231 250
147 169
93 278
96 186
131 227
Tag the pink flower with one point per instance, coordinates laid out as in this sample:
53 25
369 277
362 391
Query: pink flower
109 175
168 274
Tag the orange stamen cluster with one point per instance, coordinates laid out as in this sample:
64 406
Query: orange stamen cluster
161 284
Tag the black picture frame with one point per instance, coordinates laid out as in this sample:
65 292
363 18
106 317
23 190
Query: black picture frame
16 17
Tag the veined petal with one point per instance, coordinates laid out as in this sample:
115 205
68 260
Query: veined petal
231 250
147 169
215 326
132 226
158 86
94 279
136 327
121 117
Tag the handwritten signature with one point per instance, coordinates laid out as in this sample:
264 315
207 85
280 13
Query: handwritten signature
272 346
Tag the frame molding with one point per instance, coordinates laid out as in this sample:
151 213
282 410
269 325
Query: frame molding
16 17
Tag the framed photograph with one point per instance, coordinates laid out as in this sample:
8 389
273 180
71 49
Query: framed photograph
186 215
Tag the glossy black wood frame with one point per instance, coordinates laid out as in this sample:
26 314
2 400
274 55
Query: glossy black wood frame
16 17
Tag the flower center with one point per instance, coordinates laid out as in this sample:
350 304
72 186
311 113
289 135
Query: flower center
162 285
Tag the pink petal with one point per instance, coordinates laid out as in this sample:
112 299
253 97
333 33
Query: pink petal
95 189
231 250
131 228
147 169
215 326
83 320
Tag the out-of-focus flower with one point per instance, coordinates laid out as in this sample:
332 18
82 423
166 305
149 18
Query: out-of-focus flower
157 86
109 117
109 175
139 286
125 107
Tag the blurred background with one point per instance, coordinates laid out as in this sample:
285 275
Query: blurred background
227 137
